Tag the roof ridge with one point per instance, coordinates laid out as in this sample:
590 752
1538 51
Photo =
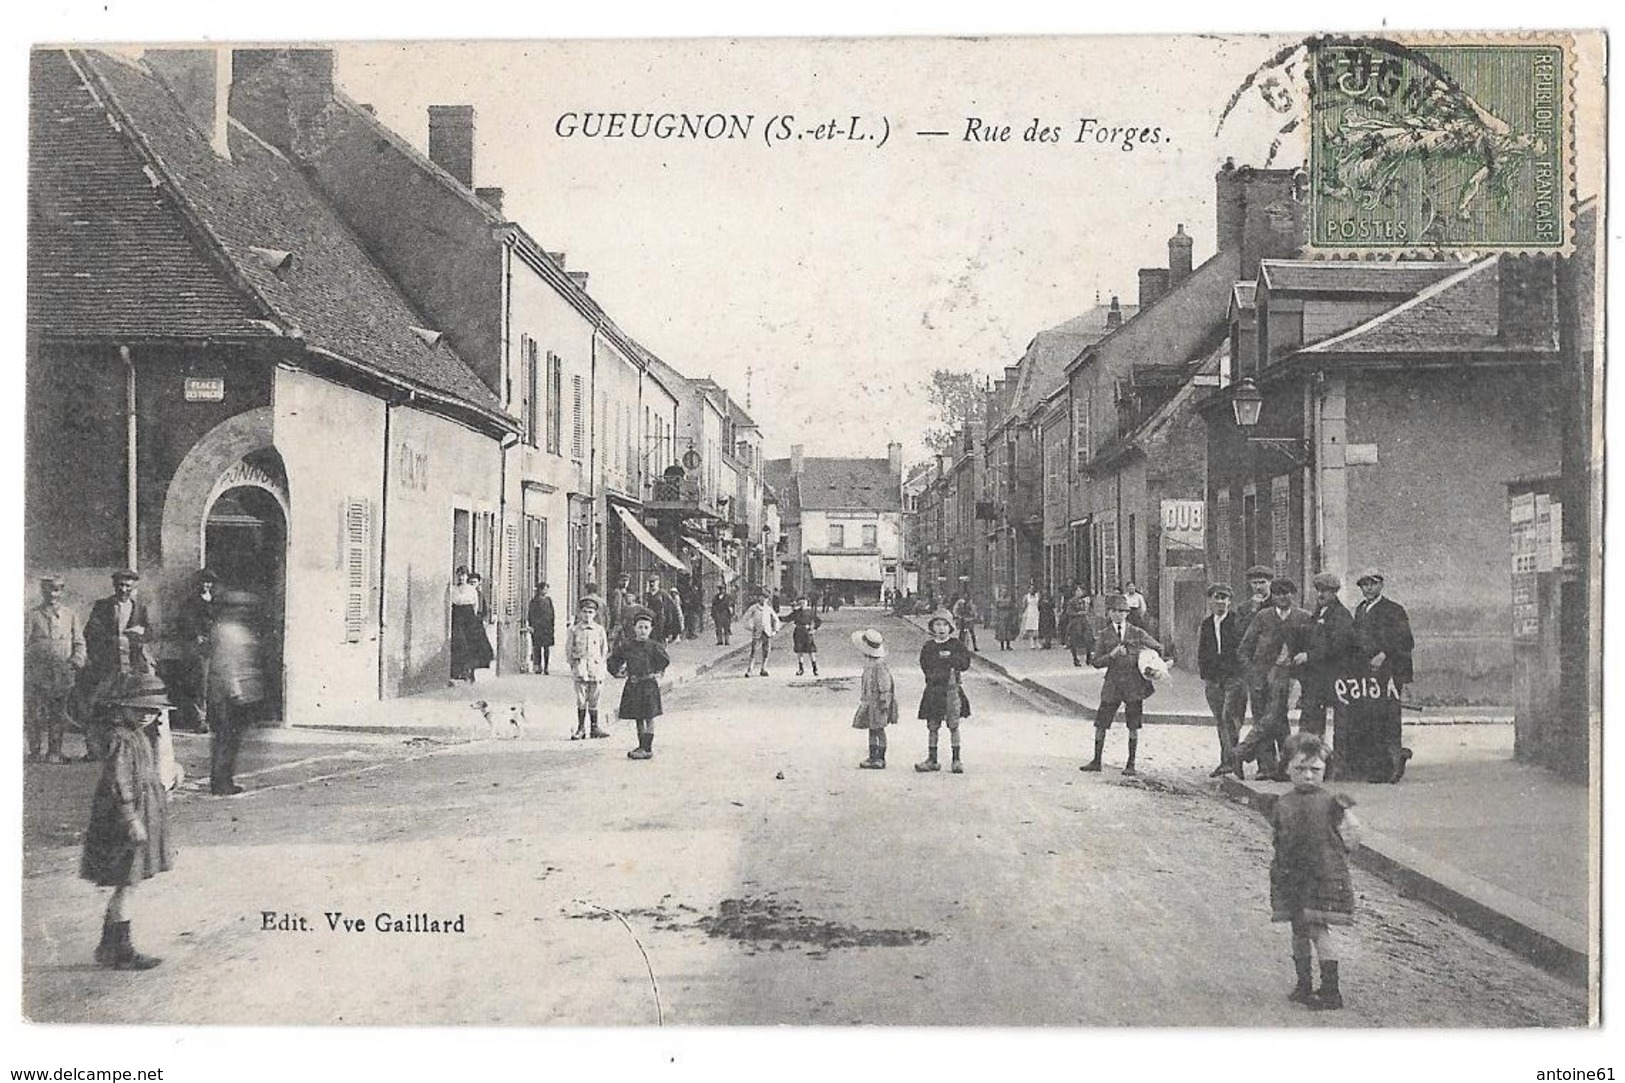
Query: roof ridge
189 212
1427 293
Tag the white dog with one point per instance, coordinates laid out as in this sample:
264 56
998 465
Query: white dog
506 721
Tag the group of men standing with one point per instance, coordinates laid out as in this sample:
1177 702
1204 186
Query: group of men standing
1355 664
81 670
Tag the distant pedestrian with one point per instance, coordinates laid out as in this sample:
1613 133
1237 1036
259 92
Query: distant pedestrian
128 839
470 647
1006 623
1309 878
801 636
1046 619
53 655
877 696
1077 626
1029 617
1218 639
619 598
641 661
236 687
761 622
722 617
942 659
1382 632
965 617
1137 613
1117 651
543 622
195 628
586 652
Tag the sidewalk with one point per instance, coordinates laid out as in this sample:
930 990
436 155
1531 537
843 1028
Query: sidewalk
1502 847
447 713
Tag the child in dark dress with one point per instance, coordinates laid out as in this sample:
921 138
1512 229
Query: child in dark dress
1309 878
806 622
128 839
641 661
942 660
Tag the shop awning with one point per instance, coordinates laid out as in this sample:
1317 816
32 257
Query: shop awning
862 567
728 573
648 540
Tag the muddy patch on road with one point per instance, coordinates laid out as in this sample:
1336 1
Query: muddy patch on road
828 684
763 923
1155 785
769 924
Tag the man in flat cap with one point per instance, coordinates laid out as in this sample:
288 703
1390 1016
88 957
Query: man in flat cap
1382 632
53 654
1218 639
115 637
1258 597
1274 638
195 626
1329 654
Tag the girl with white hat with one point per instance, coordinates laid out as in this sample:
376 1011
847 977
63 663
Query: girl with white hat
877 699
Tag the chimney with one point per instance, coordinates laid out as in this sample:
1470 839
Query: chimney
894 458
201 80
451 141
578 277
1179 257
1153 284
1231 203
795 460
281 95
1114 315
491 197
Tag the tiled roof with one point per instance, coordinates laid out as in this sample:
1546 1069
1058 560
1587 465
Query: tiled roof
1461 313
1348 276
1042 367
836 484
329 295
108 252
1241 296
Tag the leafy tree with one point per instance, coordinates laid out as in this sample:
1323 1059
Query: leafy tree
956 398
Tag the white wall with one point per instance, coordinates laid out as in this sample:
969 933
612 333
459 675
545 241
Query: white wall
888 530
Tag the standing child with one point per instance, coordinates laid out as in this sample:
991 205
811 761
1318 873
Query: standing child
128 838
1117 651
942 660
877 700
586 650
761 624
641 661
1309 878
801 637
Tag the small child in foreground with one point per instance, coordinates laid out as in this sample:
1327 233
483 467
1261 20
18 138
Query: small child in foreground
877 702
1309 879
641 661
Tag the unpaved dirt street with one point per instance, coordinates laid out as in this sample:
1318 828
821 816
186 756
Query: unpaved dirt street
750 873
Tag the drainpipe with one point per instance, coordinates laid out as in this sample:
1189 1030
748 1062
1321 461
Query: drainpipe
132 526
509 441
383 563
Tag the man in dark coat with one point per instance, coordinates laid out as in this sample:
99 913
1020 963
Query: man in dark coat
619 598
543 621
1117 651
114 637
1274 637
1382 633
1258 597
195 628
1218 641
1329 653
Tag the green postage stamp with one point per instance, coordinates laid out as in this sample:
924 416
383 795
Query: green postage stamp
1440 144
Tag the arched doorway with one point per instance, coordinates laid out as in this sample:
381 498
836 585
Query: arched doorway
245 543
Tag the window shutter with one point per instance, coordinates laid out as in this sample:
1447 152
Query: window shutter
510 574
357 581
578 429
555 395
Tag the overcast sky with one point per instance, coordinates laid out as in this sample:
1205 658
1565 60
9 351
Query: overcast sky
838 274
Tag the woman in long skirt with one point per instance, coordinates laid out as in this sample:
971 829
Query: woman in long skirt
1029 617
470 649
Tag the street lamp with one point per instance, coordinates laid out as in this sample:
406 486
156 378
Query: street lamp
1247 403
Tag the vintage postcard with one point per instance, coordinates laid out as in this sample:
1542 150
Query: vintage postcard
1070 532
